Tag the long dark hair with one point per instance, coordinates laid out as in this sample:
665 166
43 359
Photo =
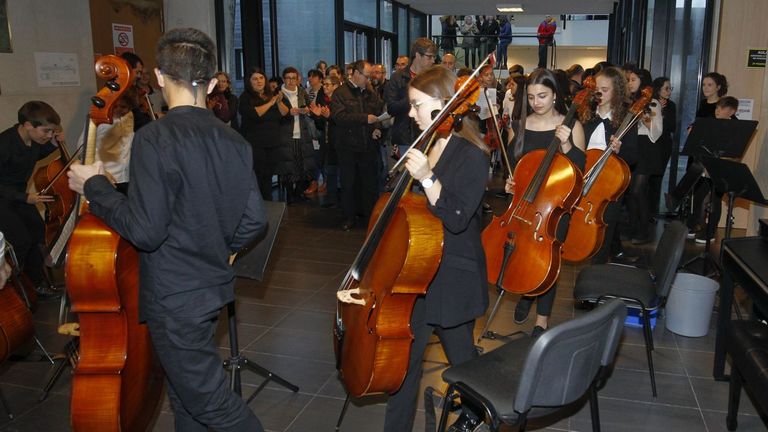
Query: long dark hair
266 94
548 79
658 83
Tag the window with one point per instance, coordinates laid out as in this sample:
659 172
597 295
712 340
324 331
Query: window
303 33
358 11
387 16
402 31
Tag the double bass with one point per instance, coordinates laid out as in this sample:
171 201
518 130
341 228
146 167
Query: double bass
396 264
606 179
117 383
521 248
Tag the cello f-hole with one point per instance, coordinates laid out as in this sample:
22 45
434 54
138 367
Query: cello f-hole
539 219
588 214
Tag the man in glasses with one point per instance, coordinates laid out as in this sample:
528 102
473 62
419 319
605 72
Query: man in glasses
423 52
354 110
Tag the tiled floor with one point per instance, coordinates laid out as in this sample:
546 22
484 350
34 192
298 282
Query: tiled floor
284 324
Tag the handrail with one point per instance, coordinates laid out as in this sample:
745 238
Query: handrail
553 63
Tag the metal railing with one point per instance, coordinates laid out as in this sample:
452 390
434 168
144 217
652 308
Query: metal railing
461 57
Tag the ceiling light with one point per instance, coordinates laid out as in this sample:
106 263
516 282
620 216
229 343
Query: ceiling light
509 8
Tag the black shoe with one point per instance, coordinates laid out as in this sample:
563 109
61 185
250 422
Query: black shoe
45 292
623 258
347 225
466 422
501 194
640 240
522 310
487 208
537 331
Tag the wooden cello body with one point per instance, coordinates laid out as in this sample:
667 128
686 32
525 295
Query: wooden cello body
521 246
529 225
606 179
586 233
15 322
373 353
52 180
118 380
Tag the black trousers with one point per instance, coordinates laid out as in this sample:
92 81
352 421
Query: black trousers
542 55
24 229
612 242
359 181
198 388
459 347
638 206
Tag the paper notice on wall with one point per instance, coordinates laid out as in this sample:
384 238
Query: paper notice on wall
745 109
122 38
57 69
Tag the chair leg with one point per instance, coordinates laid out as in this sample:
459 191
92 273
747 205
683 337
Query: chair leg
450 396
734 396
648 328
648 349
594 409
522 422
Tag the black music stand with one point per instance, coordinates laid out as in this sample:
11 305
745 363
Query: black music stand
251 263
712 138
734 179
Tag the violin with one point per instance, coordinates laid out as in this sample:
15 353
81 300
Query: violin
521 248
396 264
118 380
607 178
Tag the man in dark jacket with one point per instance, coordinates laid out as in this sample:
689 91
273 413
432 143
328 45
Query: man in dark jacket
354 110
423 53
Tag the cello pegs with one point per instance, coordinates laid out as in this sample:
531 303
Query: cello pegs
112 85
98 102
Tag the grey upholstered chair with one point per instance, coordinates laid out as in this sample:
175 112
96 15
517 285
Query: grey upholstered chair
533 377
643 289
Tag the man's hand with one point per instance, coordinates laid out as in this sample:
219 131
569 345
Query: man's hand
35 198
372 119
376 133
79 174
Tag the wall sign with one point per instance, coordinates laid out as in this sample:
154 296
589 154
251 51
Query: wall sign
756 57
122 38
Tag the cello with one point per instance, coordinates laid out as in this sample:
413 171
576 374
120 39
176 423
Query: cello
521 248
396 264
52 180
117 383
606 179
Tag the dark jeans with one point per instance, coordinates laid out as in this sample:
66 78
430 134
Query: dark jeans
637 204
359 181
542 55
198 388
459 346
25 231
501 55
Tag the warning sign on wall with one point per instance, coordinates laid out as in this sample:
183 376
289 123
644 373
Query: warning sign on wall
122 38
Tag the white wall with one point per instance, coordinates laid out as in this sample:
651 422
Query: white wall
44 26
200 14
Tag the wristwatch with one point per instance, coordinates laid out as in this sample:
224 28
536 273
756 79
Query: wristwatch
428 182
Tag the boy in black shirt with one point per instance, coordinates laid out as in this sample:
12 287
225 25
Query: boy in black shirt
21 146
193 200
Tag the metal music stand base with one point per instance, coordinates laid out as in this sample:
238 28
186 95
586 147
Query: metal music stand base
67 359
237 361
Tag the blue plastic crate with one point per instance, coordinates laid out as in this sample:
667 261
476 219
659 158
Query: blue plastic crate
635 320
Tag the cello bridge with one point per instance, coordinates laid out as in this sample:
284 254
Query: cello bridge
345 296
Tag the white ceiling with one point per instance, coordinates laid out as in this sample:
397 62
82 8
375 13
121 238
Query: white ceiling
532 7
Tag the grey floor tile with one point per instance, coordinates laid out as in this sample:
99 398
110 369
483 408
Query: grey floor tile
307 320
715 421
713 395
636 385
664 359
308 375
629 416
52 415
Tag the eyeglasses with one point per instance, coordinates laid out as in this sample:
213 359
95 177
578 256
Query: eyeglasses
416 105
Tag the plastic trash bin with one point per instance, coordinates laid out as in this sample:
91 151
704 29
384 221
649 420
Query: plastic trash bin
689 306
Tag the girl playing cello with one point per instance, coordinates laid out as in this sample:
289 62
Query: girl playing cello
453 175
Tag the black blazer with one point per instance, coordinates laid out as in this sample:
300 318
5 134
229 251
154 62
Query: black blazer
459 291
629 151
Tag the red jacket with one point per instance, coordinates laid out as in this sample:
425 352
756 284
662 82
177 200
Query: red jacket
546 32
